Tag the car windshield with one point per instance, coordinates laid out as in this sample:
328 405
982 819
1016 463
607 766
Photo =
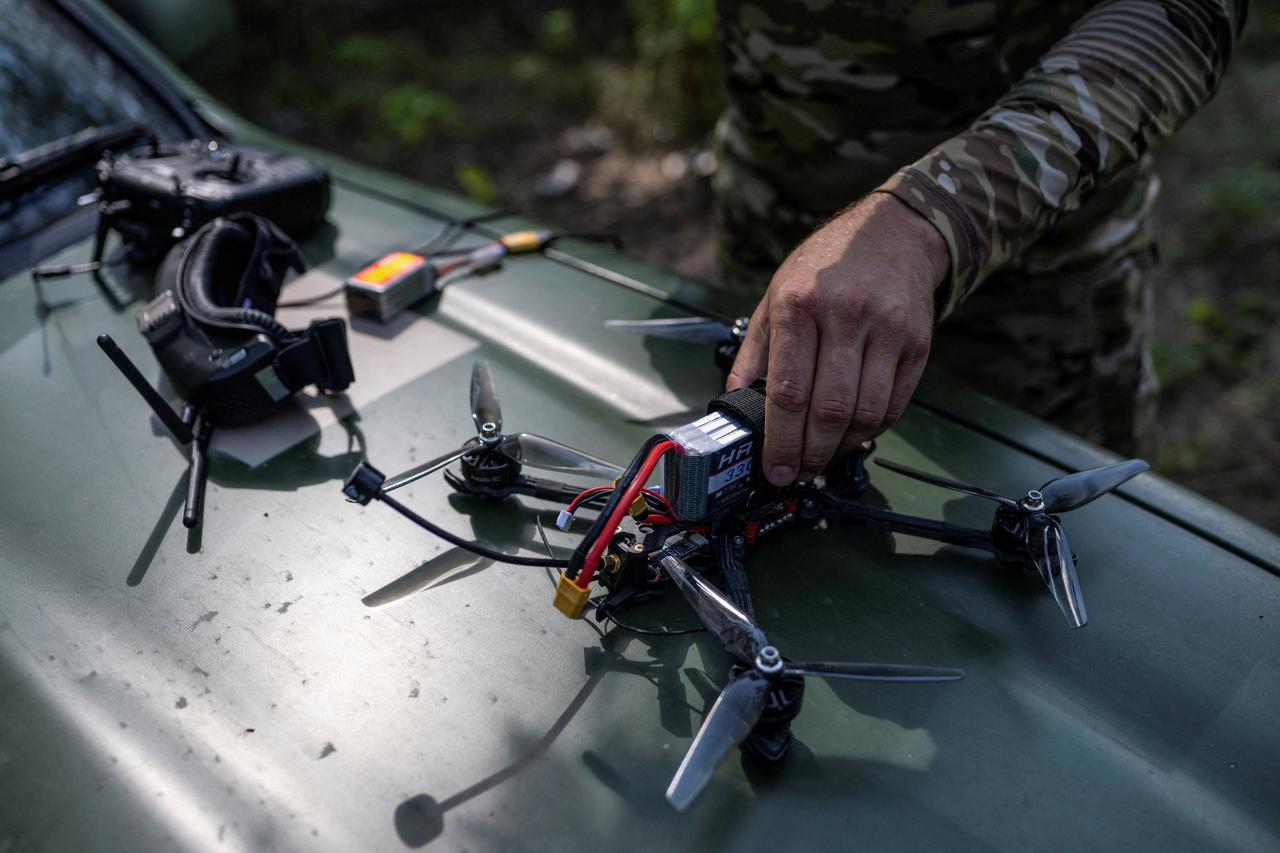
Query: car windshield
55 81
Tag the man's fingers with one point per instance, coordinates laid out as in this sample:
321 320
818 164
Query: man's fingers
753 355
910 369
875 387
831 406
793 348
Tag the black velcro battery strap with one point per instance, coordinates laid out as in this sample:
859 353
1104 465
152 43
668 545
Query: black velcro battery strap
745 405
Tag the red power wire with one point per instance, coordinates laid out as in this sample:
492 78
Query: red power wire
596 490
582 496
628 498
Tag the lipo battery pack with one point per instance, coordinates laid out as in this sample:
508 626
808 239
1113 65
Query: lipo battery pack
389 285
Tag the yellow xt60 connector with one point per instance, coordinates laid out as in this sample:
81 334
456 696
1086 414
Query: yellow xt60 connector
570 598
519 242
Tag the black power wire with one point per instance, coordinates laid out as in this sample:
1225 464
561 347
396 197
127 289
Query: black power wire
473 547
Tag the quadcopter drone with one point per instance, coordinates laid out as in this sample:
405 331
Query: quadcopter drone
711 506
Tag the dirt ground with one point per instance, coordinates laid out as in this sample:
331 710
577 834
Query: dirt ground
598 120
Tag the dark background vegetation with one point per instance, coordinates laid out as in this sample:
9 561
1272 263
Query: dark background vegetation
596 116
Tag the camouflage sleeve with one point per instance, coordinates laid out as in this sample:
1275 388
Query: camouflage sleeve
1126 76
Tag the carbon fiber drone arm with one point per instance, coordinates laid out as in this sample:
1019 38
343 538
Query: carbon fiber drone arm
730 553
547 490
832 507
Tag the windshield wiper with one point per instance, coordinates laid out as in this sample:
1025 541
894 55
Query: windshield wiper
18 173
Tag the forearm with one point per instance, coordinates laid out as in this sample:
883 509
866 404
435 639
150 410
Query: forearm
1125 77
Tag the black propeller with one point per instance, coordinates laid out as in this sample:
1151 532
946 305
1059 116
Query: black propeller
524 448
1042 534
700 330
740 705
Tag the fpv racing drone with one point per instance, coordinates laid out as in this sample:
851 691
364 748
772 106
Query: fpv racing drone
713 503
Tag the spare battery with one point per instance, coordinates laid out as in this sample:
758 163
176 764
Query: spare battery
713 467
389 285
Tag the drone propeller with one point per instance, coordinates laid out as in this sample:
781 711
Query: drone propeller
700 330
1075 490
417 473
739 707
551 455
1056 567
523 447
1043 536
485 410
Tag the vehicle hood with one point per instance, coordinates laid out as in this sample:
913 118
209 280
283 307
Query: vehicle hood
303 672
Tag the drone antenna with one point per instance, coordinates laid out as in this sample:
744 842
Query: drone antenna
199 474
180 430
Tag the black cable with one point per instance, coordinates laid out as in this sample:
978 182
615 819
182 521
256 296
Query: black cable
650 632
596 500
614 241
312 300
552 254
465 545
450 251
454 227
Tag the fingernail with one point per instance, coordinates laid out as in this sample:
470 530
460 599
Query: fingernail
781 475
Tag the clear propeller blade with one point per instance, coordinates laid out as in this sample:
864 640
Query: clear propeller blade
732 717
484 399
424 469
1076 490
703 330
874 671
1048 545
741 637
954 485
550 455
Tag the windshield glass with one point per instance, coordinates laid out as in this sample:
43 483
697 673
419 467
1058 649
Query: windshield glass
54 81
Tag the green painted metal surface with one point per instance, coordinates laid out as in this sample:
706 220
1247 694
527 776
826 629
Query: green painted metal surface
303 673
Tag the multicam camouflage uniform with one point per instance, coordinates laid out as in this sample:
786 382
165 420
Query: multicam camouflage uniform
1026 124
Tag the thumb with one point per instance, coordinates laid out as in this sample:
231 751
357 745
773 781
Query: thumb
753 357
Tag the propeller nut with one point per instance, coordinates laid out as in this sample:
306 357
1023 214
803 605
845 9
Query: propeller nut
1033 502
768 661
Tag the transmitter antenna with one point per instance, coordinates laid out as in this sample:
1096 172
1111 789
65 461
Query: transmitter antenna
181 426
181 430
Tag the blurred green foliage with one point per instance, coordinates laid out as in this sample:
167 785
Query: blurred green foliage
411 110
1217 345
476 182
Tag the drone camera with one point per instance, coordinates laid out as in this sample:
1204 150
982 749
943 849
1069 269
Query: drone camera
363 484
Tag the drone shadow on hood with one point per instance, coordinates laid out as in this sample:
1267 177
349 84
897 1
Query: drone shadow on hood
419 820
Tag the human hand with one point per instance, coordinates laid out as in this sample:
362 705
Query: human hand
843 333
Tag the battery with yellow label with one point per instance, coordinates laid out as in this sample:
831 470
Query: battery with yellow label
389 285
